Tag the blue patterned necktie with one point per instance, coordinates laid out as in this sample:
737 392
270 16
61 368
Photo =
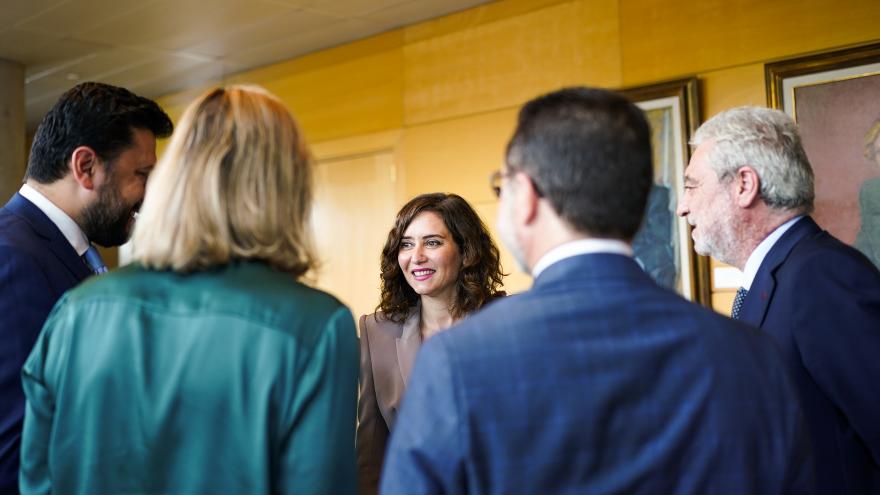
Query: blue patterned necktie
94 261
738 303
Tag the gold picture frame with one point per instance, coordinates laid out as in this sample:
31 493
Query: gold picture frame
835 99
664 246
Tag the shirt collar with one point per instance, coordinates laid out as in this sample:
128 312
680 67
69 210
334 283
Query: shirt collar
71 231
760 252
578 247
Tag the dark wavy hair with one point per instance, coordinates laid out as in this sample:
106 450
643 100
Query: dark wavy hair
480 277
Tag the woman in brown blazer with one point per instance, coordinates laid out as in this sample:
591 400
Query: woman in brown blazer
438 265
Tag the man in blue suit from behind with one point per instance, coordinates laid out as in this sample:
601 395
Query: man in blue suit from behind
596 380
748 195
85 179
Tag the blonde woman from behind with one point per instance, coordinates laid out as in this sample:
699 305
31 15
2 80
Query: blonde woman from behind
204 367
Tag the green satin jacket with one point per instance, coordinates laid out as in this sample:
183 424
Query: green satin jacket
235 380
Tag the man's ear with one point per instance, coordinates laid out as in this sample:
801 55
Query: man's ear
748 186
84 165
526 198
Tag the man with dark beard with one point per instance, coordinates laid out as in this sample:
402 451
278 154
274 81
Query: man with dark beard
85 180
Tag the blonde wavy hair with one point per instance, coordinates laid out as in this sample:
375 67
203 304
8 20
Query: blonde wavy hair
235 183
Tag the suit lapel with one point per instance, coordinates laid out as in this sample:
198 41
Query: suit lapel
56 241
408 343
754 308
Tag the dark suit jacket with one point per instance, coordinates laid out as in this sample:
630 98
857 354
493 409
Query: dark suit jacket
37 265
598 381
820 300
388 350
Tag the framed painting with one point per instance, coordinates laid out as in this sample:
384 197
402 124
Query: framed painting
835 99
663 246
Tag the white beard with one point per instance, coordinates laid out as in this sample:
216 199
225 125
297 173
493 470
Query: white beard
721 243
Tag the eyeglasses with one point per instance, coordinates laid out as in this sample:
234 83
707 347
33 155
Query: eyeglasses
498 176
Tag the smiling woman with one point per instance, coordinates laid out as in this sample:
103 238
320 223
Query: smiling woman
430 259
439 264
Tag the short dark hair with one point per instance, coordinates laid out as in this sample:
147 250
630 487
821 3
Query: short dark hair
96 115
588 152
480 276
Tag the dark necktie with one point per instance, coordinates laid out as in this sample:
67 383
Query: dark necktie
94 261
738 303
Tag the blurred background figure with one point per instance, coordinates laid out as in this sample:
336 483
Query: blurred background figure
205 367
868 238
438 265
653 247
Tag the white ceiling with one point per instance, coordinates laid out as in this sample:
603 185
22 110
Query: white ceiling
156 47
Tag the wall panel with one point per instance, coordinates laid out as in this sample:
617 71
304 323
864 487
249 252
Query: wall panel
508 61
457 155
662 39
728 88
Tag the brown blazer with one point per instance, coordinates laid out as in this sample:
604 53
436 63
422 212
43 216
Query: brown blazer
388 351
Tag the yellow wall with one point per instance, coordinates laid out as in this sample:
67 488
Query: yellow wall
439 98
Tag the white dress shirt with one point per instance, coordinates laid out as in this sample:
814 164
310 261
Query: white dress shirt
71 231
578 247
760 252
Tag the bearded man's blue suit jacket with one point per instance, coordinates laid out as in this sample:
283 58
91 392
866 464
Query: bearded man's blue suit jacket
37 265
820 300
598 381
